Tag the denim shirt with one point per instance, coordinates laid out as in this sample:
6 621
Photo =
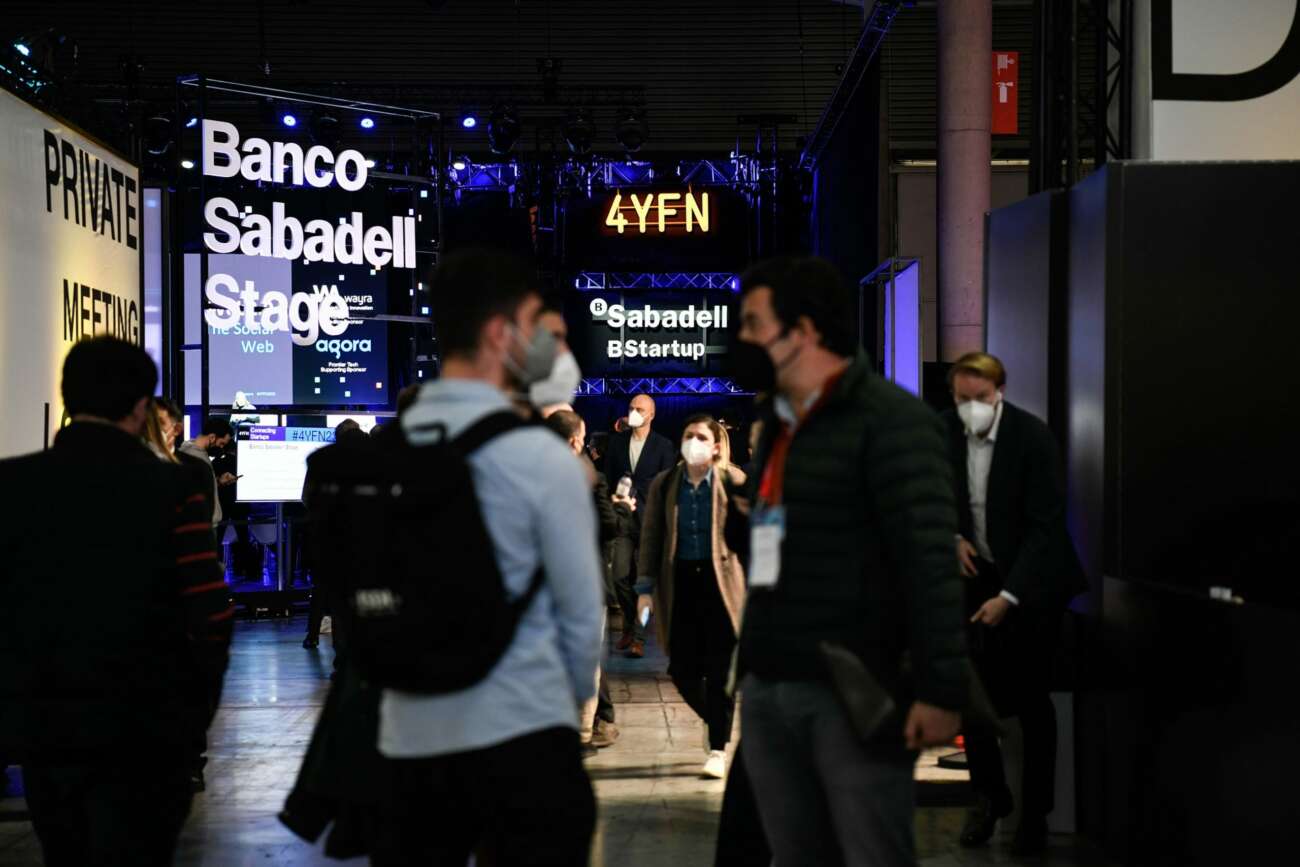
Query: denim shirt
537 505
695 519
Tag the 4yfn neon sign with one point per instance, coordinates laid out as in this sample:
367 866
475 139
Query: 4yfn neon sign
659 213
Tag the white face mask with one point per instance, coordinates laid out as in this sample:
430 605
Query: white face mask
635 419
559 385
695 452
976 415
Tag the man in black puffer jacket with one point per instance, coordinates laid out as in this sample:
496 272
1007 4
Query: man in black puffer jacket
854 521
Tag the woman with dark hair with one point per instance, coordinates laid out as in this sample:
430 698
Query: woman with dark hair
692 579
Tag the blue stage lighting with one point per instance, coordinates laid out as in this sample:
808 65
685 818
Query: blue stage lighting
459 165
192 122
289 120
22 49
469 121
367 123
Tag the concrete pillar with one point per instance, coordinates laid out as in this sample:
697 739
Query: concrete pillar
965 88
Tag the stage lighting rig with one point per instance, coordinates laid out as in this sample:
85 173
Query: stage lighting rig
326 129
156 134
579 131
503 129
631 130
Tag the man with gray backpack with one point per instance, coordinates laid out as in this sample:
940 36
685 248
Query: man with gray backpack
486 652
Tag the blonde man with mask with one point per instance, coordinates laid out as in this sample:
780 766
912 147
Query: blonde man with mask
1021 571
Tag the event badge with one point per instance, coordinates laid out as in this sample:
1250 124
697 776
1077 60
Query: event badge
767 530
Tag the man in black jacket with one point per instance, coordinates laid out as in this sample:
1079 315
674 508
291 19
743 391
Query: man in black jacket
114 622
642 454
597 728
853 522
1021 572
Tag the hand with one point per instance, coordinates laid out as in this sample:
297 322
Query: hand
624 501
966 555
991 613
644 603
930 726
226 479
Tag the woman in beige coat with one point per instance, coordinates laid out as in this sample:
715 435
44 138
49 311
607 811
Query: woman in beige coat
692 581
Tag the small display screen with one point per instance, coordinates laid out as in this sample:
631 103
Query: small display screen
273 461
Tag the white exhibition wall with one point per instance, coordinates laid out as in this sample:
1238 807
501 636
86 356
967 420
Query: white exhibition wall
70 228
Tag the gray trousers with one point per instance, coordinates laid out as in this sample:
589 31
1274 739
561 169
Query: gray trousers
823 798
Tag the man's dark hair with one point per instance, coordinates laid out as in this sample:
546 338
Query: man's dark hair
552 303
106 377
406 398
812 287
169 406
219 427
564 422
349 430
470 287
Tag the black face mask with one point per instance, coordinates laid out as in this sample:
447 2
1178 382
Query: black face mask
750 367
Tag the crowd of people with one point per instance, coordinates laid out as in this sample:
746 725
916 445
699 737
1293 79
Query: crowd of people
930 550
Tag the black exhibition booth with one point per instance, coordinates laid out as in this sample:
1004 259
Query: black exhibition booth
1151 309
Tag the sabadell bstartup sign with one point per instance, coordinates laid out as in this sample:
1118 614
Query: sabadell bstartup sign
236 229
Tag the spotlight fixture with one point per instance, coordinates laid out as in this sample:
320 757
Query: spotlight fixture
187 164
469 121
459 164
288 119
631 130
503 129
191 123
367 123
325 129
579 131
23 48
157 134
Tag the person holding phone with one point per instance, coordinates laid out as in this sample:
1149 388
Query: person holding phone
693 580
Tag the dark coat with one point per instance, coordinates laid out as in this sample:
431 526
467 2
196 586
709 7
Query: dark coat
867 561
1025 511
617 531
658 554
114 620
657 456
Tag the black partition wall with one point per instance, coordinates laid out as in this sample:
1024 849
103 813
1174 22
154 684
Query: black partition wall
1185 503
1024 301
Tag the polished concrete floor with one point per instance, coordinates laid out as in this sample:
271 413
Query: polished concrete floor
654 809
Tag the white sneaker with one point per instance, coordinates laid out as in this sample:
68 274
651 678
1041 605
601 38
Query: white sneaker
716 766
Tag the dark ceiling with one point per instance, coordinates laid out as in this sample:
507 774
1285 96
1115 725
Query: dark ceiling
695 65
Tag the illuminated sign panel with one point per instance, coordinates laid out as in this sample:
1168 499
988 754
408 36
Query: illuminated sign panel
659 213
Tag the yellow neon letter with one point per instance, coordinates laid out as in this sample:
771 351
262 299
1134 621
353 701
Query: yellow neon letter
664 210
697 211
643 211
615 218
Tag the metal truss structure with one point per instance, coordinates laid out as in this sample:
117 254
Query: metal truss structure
1084 87
466 175
627 174
683 385
592 281
879 20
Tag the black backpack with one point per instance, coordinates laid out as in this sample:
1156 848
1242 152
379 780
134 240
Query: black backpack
397 536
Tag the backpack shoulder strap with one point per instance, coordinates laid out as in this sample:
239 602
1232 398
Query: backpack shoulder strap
521 604
486 429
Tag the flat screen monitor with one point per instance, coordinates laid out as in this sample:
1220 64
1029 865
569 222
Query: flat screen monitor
273 462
